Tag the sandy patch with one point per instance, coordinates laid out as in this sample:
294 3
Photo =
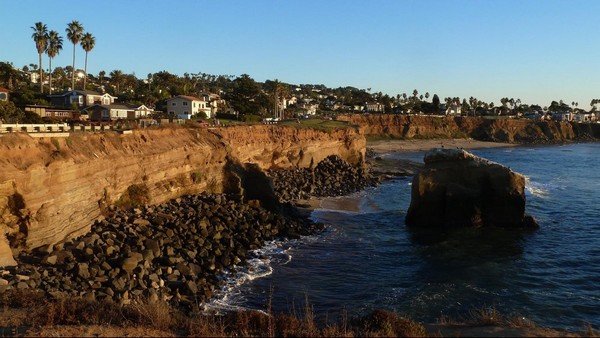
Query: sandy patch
344 203
386 146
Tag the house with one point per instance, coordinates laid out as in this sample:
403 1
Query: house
311 108
51 113
117 111
562 116
290 102
214 102
374 107
453 109
185 107
81 98
584 117
3 94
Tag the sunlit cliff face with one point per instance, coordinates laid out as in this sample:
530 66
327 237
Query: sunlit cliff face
63 184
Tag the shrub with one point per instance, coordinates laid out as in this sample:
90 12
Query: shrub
135 195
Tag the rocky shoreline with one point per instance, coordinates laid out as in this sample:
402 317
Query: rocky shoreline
176 250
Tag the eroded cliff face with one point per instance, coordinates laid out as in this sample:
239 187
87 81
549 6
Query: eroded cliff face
497 130
52 189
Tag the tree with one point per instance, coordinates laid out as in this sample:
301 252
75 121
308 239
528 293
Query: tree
74 33
60 77
54 47
40 36
9 75
9 113
436 102
116 79
279 91
88 41
245 95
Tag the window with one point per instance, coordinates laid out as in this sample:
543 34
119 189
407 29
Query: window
173 103
185 103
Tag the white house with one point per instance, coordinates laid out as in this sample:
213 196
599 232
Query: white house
117 111
185 106
584 117
374 107
454 109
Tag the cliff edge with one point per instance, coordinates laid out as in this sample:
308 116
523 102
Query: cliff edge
52 189
482 129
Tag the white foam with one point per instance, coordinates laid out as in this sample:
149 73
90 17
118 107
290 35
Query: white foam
229 296
535 188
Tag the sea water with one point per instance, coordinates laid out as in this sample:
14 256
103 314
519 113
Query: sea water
368 259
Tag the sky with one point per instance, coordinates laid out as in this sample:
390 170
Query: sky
533 50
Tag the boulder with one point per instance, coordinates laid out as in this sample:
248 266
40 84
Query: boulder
6 256
457 188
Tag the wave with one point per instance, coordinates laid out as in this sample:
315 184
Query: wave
535 188
260 264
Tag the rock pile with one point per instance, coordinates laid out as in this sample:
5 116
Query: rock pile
331 177
174 250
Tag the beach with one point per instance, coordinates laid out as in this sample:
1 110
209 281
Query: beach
384 146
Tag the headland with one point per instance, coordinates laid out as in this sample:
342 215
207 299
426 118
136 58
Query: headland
71 196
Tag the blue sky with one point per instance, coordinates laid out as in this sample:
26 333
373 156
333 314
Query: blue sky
537 51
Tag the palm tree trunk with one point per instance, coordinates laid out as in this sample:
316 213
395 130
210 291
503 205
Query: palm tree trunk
41 75
73 73
85 71
50 74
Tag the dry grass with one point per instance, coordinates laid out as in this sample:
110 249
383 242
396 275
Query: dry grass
486 316
590 332
155 314
388 324
33 314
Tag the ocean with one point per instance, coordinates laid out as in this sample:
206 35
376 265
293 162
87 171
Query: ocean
367 259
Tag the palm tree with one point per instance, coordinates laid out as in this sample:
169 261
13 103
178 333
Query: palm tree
116 78
40 36
88 41
74 33
54 46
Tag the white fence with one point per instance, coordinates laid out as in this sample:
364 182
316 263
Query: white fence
50 128
34 128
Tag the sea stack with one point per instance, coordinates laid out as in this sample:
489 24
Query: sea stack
456 188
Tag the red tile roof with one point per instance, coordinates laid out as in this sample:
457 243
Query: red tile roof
191 98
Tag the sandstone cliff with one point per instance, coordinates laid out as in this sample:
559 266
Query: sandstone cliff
52 189
497 130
